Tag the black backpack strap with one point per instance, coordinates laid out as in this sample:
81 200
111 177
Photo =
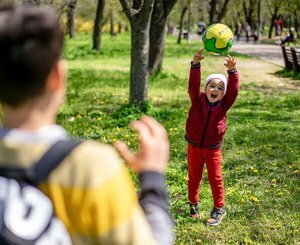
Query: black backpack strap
49 161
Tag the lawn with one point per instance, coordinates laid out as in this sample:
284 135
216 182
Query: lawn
260 149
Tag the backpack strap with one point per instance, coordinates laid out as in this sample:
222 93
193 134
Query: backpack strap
42 168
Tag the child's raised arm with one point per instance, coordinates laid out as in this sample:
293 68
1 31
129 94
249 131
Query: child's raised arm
233 82
198 57
230 63
195 75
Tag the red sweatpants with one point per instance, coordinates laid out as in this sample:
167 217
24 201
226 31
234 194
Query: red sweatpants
213 158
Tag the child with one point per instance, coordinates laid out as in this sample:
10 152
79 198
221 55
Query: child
205 129
91 190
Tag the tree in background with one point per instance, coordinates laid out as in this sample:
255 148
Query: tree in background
112 23
274 7
249 7
184 8
217 10
97 31
258 25
223 10
139 16
161 11
213 6
293 6
116 17
205 11
70 18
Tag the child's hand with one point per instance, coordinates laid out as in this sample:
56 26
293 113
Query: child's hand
154 148
230 62
198 57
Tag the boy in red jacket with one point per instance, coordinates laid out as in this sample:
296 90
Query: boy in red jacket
205 129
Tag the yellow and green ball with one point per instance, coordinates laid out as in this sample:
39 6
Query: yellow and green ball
217 38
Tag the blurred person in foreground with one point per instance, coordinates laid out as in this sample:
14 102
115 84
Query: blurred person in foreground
91 190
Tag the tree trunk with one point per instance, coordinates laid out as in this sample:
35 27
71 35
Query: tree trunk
70 18
296 24
223 11
273 14
158 27
157 44
258 19
248 11
139 17
120 26
181 24
98 25
189 20
112 23
139 64
272 25
212 11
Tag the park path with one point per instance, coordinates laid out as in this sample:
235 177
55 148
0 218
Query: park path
267 52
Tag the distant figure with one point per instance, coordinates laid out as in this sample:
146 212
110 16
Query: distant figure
289 38
238 31
202 27
278 26
248 32
255 35
186 35
170 29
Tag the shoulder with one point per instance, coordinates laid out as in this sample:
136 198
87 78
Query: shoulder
96 153
90 163
202 97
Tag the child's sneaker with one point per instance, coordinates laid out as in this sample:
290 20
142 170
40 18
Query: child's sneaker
216 216
195 210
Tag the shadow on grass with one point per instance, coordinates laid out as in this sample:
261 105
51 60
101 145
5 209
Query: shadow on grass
287 73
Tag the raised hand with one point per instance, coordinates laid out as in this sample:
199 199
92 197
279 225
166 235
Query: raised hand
153 154
230 62
198 57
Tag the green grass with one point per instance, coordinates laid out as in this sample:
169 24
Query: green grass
261 146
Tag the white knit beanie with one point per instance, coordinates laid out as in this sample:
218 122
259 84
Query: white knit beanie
217 76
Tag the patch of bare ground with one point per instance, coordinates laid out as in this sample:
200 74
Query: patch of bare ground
262 74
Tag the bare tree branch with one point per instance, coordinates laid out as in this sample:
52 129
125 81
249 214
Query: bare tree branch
223 11
168 6
130 11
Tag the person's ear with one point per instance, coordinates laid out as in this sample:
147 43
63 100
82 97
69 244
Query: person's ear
57 76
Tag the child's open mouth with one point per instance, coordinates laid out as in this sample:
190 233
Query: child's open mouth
213 96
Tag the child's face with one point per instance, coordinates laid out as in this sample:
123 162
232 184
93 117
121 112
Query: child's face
214 90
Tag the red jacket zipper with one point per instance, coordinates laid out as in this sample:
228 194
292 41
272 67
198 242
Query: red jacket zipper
205 128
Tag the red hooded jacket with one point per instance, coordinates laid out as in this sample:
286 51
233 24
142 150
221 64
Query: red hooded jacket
206 123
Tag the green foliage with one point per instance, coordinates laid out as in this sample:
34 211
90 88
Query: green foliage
260 149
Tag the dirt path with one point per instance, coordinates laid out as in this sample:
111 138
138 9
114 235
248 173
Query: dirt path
267 52
262 69
263 75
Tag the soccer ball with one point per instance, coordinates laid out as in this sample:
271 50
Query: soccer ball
217 38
